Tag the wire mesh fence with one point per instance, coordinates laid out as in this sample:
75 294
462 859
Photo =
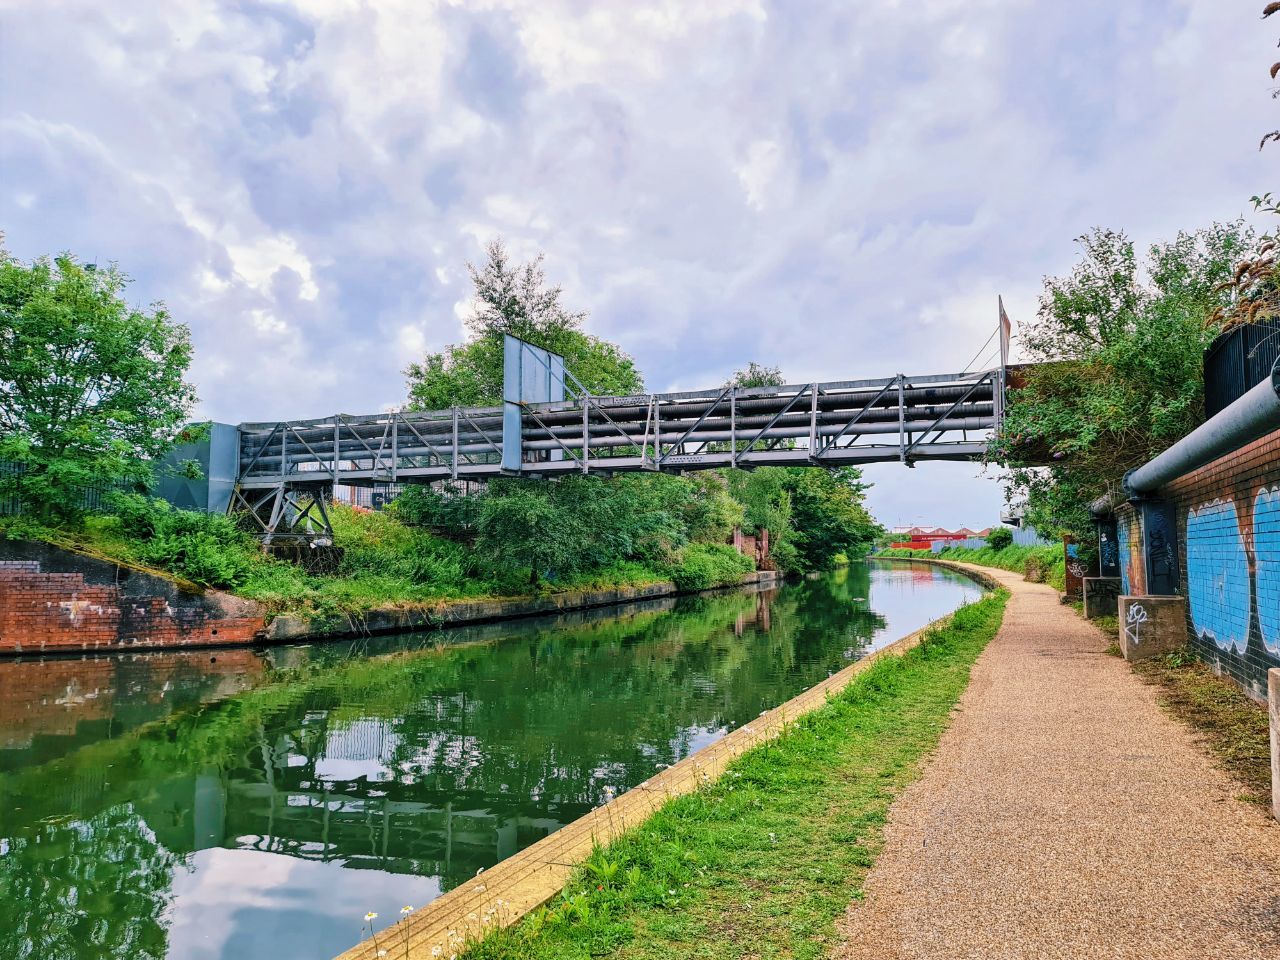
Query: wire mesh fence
92 499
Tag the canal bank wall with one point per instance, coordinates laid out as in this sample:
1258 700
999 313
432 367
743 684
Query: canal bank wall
508 891
56 601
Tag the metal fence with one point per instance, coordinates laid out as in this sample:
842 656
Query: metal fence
10 505
1022 537
1237 361
91 498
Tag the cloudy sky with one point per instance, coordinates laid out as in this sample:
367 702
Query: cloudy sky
837 188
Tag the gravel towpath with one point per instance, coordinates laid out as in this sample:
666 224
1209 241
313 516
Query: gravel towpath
1064 814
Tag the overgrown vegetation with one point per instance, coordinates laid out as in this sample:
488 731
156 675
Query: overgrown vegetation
1118 345
1037 564
1234 728
762 861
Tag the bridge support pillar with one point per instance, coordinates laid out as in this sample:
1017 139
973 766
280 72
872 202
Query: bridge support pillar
1152 626
1101 596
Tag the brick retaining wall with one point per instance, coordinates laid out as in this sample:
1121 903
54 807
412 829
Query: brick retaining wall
55 601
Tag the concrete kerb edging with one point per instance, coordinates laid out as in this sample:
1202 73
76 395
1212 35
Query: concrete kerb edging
504 894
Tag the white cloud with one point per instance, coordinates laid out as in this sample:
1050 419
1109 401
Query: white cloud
759 172
841 191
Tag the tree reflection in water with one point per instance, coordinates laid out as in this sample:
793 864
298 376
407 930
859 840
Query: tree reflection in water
409 756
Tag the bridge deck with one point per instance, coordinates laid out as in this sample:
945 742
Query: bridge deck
900 418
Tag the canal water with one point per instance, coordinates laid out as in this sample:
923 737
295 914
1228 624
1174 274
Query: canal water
255 804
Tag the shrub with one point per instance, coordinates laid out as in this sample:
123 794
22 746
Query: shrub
378 544
705 565
205 548
999 538
447 510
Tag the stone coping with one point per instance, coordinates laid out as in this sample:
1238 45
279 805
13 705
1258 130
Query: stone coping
506 892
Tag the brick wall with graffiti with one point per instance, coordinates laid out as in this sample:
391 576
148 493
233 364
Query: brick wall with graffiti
1228 516
1129 540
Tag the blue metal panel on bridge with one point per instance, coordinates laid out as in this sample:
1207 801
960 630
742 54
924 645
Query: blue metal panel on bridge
529 375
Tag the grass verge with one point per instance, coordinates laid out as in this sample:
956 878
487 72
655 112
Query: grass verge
762 861
1231 726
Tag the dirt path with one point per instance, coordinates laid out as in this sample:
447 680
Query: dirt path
1065 815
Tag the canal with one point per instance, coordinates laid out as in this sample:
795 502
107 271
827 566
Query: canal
245 804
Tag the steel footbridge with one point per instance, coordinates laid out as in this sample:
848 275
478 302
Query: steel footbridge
550 425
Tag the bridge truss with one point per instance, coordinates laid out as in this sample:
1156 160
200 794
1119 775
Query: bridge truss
286 468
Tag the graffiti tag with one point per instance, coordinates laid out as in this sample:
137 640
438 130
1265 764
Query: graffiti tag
1077 569
1137 615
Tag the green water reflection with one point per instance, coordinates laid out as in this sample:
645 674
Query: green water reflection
205 806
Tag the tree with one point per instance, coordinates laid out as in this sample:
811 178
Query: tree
514 299
1254 288
756 375
91 389
828 515
1120 373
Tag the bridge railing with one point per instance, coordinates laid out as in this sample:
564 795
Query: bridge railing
941 416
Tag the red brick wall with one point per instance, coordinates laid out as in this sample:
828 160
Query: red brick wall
41 612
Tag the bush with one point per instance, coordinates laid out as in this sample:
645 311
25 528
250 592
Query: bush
447 511
999 538
205 548
377 544
705 565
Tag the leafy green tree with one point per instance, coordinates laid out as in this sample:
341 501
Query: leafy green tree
1120 349
828 515
92 390
514 299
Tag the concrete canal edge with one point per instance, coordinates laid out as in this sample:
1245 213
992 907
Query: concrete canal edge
508 891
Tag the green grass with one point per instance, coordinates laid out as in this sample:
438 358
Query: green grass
763 861
386 563
1040 564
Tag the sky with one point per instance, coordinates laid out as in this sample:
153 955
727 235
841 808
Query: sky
838 189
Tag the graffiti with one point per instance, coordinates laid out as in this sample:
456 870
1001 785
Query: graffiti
1077 569
1162 560
1108 555
1137 615
1218 575
1126 558
1266 552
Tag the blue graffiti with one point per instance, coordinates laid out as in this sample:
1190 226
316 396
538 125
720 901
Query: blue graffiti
1218 575
1122 535
1266 551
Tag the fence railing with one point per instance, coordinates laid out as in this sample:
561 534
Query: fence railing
10 505
1238 361
91 498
